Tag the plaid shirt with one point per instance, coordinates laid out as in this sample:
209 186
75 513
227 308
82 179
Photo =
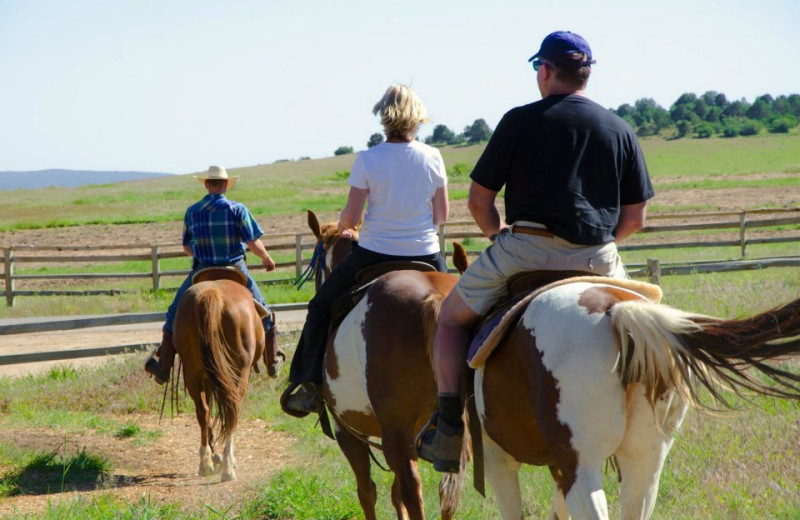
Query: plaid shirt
216 230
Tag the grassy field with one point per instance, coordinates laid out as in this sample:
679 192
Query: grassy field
734 466
740 465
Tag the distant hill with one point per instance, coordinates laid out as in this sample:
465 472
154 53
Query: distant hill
67 178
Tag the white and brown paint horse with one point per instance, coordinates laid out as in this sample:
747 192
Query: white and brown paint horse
378 377
219 337
591 370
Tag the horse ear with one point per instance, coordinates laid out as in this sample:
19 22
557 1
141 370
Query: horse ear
460 260
313 224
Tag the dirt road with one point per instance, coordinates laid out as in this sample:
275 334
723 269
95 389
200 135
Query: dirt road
138 337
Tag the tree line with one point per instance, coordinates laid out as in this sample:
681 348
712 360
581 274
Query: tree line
712 114
690 115
475 133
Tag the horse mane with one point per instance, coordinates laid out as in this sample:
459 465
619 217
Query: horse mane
330 232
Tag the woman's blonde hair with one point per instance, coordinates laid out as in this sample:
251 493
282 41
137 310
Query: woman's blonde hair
401 112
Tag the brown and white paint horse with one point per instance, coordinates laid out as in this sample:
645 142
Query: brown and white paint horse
378 377
219 337
591 370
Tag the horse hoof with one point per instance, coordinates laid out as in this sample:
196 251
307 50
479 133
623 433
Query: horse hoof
206 471
227 477
274 369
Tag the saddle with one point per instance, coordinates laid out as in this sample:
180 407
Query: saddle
228 272
524 287
364 279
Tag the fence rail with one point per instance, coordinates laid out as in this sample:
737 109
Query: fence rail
14 255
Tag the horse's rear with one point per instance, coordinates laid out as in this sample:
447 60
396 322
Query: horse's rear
219 337
591 370
379 383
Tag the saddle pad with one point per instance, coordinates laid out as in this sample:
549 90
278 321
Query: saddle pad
491 333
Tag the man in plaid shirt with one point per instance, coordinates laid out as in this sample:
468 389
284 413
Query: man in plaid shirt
215 232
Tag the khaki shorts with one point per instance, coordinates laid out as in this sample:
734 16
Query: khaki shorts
484 282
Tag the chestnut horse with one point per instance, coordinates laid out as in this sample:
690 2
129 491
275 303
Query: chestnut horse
378 376
592 370
219 337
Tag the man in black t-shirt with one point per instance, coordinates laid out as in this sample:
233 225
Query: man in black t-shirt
575 184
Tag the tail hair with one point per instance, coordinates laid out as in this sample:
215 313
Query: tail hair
429 313
224 380
662 346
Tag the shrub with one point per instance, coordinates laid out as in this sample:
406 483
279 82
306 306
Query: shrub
782 124
459 169
703 130
750 128
343 150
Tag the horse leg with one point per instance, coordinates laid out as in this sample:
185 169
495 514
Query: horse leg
502 472
216 459
228 462
357 456
203 413
644 448
398 449
558 509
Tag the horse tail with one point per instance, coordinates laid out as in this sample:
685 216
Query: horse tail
451 483
687 352
221 375
429 314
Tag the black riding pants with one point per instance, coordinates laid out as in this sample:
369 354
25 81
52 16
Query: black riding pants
307 360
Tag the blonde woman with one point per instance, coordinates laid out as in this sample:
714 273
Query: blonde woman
404 185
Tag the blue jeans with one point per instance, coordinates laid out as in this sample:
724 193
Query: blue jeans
196 266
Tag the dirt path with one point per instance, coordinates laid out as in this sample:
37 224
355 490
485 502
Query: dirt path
164 470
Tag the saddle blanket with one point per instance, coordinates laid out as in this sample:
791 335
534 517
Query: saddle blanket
494 330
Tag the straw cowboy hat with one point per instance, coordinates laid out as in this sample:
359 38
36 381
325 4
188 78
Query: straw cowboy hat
217 172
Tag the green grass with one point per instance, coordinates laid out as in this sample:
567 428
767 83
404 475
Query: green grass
709 157
292 187
734 466
53 472
727 184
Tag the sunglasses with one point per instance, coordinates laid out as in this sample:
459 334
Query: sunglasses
538 63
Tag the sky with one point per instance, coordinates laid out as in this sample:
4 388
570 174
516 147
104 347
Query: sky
176 85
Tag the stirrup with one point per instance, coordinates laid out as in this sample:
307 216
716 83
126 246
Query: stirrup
285 401
152 367
429 426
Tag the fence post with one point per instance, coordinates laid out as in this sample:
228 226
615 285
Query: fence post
298 255
156 273
654 270
743 232
8 270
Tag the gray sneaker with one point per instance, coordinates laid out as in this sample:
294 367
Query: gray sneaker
442 446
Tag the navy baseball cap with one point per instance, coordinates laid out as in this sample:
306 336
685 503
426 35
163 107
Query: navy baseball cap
558 46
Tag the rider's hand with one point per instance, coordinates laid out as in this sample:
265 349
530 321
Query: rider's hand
267 263
346 233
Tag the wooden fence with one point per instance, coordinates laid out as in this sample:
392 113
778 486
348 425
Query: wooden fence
732 222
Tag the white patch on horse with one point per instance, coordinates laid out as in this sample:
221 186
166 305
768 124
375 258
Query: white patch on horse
578 349
349 347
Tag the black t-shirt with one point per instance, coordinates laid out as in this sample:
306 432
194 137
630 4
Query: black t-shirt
567 163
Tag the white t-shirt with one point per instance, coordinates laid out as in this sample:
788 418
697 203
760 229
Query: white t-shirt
402 179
